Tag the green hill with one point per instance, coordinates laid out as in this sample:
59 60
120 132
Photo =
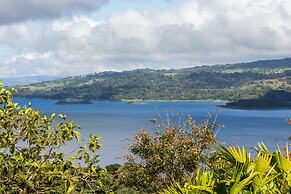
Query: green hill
220 82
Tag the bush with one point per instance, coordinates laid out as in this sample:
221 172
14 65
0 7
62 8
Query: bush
172 153
264 173
29 157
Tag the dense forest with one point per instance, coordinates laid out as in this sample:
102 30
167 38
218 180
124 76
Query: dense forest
219 82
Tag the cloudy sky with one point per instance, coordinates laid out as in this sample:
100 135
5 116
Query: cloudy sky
70 37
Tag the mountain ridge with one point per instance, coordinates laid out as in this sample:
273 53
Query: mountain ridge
219 82
21 80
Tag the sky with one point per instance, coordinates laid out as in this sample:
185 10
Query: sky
73 37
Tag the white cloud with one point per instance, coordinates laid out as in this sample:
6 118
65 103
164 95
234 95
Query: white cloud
19 36
198 32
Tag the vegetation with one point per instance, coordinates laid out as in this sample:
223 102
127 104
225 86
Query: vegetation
272 99
220 82
238 172
188 159
170 154
176 157
29 157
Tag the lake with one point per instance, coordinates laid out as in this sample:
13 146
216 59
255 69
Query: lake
117 121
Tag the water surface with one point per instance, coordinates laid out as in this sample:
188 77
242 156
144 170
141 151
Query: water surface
116 121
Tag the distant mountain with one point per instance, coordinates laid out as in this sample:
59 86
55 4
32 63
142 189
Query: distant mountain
220 82
16 81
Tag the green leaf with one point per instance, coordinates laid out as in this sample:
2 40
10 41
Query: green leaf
30 184
77 135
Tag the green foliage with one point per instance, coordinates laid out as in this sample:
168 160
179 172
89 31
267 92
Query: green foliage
272 99
264 173
202 183
170 154
29 157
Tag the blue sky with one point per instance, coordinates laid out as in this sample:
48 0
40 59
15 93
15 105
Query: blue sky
116 6
71 37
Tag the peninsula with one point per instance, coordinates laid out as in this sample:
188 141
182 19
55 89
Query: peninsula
274 99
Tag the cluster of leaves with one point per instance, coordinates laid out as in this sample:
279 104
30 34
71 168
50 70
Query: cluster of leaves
169 154
264 173
30 158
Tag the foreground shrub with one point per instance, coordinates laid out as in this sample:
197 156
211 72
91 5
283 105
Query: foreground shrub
172 153
29 157
265 173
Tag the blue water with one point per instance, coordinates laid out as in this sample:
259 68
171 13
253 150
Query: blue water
117 121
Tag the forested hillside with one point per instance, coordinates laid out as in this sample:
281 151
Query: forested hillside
219 82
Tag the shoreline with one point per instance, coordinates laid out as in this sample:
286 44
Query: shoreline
147 101
249 108
139 101
131 100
